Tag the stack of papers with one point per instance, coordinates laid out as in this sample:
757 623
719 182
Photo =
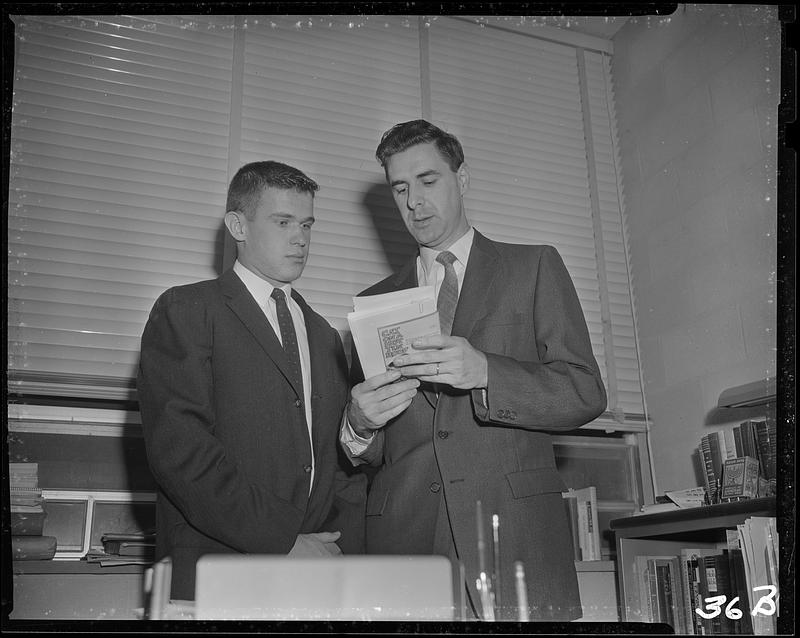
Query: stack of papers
383 326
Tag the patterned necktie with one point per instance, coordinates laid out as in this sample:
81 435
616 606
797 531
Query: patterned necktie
288 336
448 292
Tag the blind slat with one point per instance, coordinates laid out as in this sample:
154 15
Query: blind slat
121 140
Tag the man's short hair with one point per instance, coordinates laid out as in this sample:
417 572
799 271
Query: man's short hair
250 180
407 134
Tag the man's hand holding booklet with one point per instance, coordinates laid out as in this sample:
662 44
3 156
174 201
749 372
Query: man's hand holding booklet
383 326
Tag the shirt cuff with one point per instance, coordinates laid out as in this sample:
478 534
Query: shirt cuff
355 443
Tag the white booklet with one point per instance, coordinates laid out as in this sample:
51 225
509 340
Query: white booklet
383 326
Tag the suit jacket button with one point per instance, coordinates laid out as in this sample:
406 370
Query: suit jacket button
443 434
297 403
435 487
306 468
501 414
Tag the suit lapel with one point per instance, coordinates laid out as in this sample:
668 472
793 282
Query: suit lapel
318 355
241 302
474 301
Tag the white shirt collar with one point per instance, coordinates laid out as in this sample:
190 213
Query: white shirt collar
260 288
460 248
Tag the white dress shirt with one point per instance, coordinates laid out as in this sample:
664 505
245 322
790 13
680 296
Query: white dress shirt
261 290
429 273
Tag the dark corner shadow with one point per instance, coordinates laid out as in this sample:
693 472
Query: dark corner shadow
398 245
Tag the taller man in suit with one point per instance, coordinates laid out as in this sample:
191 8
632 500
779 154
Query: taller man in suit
242 388
467 416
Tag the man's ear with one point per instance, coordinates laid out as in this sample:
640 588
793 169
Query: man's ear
236 223
463 178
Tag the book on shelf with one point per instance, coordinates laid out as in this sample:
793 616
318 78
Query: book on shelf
129 544
25 499
33 547
668 595
581 506
754 439
739 590
571 506
709 467
383 326
759 542
739 479
689 563
660 590
122 553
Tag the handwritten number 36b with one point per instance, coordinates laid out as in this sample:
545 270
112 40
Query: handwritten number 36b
765 605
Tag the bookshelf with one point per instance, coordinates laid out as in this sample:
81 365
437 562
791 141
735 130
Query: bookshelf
667 533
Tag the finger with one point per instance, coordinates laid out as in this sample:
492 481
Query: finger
390 414
389 408
333 549
422 370
433 341
395 389
380 380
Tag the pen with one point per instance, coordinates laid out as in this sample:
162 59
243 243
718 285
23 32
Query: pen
486 598
496 571
481 540
522 592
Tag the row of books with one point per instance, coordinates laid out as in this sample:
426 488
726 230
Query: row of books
715 590
581 506
753 439
27 514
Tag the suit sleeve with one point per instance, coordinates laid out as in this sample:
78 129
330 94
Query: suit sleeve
188 462
563 389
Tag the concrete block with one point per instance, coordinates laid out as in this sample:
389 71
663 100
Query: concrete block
749 200
645 41
639 102
730 150
711 341
758 311
708 49
665 304
654 201
742 83
674 130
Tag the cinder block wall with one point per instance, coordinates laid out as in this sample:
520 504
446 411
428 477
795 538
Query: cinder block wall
697 95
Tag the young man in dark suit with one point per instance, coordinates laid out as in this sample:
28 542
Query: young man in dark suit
515 366
242 387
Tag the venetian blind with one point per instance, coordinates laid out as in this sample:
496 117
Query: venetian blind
534 119
318 94
126 130
117 178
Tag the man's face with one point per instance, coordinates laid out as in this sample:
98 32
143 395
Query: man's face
277 238
428 194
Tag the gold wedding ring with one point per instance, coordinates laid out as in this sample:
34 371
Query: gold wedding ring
437 369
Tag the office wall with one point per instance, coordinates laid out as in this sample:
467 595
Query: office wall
697 95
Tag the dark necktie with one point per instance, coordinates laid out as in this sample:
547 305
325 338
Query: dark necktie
448 292
288 336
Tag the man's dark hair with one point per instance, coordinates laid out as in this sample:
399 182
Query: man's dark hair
407 134
250 180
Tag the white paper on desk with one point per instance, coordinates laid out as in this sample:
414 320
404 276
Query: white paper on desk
693 497
383 326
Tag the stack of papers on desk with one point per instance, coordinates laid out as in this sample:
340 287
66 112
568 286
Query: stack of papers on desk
383 326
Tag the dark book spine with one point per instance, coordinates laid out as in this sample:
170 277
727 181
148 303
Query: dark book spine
738 577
